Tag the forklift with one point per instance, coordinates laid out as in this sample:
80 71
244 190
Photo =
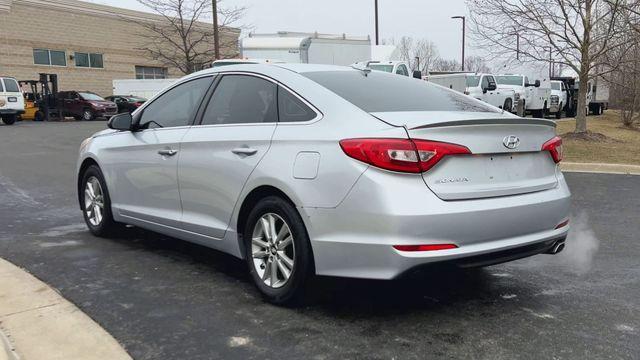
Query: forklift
41 102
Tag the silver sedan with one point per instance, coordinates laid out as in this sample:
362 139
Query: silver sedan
312 169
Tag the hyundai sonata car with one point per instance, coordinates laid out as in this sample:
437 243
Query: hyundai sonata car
306 170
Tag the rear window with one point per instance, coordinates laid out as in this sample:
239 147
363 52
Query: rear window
382 92
385 68
473 81
509 80
11 85
555 86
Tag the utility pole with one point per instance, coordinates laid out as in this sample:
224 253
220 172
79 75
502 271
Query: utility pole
216 35
517 46
377 33
463 35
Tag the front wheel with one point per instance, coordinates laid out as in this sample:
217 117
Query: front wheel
508 105
9 119
96 203
278 251
87 115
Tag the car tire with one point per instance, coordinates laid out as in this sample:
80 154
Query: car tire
508 105
559 112
9 119
96 204
285 253
87 115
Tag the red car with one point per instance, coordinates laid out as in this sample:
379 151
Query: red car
85 105
126 103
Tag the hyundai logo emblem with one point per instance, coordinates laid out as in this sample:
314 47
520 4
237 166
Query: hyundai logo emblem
511 142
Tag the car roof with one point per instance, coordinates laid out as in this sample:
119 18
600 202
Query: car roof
269 68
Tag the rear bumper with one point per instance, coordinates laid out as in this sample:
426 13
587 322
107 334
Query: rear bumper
11 111
356 238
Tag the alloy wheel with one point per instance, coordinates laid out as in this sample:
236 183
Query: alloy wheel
93 201
273 250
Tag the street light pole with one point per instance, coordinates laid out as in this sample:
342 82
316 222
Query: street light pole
463 35
377 34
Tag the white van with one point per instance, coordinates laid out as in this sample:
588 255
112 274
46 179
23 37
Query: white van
11 100
480 86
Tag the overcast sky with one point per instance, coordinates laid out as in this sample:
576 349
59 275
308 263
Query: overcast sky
429 19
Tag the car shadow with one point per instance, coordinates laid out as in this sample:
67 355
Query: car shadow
424 288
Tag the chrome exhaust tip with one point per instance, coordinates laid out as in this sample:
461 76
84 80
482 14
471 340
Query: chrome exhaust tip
557 247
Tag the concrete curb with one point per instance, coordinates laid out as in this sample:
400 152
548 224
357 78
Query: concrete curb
601 168
42 325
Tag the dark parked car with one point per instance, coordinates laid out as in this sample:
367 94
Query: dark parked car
85 105
126 103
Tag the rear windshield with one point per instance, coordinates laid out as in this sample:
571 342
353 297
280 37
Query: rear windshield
509 80
473 81
135 99
385 68
555 86
382 92
90 96
11 85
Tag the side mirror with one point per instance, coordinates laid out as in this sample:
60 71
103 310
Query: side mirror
417 74
491 87
537 83
121 121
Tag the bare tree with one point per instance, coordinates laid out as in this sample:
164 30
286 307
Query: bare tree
625 80
575 33
181 39
446 65
419 54
476 64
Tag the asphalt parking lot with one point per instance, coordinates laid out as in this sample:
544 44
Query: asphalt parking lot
166 299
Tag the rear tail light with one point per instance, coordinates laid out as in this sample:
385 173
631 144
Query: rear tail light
402 155
554 147
430 247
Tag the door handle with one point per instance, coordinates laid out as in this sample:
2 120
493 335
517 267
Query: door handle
244 151
167 152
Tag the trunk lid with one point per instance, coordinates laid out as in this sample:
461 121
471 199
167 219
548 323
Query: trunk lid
493 169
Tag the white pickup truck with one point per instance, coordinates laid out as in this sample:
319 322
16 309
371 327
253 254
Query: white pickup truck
558 98
11 100
394 67
480 86
535 96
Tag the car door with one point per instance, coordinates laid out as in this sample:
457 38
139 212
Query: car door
485 95
141 166
218 155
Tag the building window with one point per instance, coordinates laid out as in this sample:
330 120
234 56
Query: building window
89 60
150 72
49 57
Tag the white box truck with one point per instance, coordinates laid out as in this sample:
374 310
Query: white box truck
145 88
311 48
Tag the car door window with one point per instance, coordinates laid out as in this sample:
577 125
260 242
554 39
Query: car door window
526 80
292 109
242 99
402 70
485 82
176 107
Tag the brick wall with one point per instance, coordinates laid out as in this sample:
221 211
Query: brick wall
84 27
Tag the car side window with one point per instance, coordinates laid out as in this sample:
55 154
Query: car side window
176 107
485 82
242 99
292 109
402 70
526 80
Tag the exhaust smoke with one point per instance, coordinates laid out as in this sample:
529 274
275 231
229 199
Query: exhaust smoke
581 246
